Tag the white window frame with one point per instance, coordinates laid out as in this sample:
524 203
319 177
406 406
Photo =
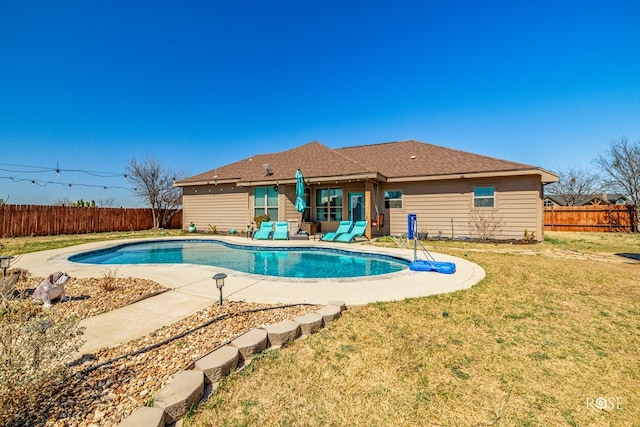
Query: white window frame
388 201
479 200
266 207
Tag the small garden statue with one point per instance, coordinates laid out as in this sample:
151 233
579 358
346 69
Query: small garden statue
51 288
192 228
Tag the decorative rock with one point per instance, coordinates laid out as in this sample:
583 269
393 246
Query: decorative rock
341 304
218 364
282 332
309 323
185 390
329 313
145 416
250 343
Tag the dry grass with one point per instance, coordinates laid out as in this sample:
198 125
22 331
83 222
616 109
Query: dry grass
109 280
535 344
22 245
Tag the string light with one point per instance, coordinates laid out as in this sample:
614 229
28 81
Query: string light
58 170
29 169
35 182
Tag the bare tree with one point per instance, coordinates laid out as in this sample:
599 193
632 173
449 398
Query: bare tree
107 203
65 201
485 224
154 184
575 185
620 165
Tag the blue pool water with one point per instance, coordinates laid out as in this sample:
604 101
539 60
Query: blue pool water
307 262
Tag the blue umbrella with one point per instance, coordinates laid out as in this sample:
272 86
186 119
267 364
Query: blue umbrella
301 205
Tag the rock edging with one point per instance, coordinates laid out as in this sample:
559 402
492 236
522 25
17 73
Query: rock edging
187 388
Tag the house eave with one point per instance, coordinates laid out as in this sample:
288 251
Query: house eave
546 177
318 180
206 182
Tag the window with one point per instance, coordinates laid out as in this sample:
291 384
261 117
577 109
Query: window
265 202
548 202
329 204
483 197
306 216
393 199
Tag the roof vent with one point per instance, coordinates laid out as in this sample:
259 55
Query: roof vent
412 157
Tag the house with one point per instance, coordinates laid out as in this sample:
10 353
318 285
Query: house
594 199
453 193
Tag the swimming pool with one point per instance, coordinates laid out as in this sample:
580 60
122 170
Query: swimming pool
295 262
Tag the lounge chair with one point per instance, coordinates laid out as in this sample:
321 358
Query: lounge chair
344 227
281 232
264 232
358 230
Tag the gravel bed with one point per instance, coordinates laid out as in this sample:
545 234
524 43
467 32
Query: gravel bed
106 395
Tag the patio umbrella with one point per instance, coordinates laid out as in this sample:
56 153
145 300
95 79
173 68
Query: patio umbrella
301 205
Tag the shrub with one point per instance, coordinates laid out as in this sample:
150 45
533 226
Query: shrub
260 219
109 280
485 224
35 347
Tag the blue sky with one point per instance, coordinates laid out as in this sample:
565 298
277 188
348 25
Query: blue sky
87 85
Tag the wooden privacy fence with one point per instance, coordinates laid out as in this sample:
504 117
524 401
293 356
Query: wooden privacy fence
37 220
603 218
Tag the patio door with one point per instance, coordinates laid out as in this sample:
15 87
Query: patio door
356 206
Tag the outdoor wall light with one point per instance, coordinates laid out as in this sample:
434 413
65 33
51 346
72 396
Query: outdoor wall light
5 262
219 278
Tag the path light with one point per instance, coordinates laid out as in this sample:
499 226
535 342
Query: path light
219 278
5 262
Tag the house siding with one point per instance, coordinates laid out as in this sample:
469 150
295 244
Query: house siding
224 207
444 208
287 210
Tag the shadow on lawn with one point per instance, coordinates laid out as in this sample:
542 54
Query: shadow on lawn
633 256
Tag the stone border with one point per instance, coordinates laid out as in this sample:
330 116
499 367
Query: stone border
187 388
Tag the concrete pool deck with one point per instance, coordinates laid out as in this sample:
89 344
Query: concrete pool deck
192 287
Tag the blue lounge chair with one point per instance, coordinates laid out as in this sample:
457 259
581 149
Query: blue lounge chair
359 229
264 232
344 227
281 232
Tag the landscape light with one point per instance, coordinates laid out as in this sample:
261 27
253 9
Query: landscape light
5 263
219 278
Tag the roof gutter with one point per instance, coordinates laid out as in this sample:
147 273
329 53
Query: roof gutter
546 176
316 179
206 182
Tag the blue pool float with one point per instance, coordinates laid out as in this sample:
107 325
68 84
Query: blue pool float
436 266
